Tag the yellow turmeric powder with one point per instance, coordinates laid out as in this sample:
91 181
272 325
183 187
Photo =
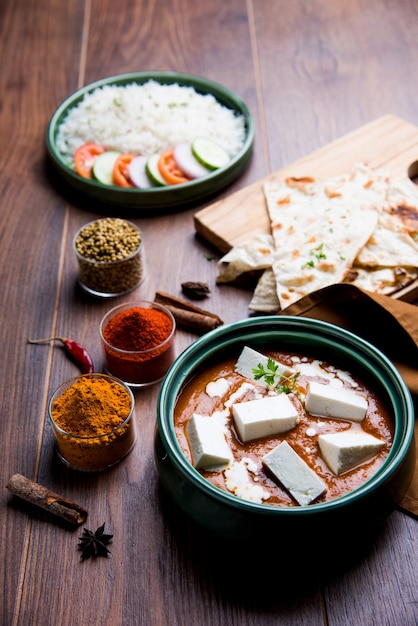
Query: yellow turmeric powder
92 419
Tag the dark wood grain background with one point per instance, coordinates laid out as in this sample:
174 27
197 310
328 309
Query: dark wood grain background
310 71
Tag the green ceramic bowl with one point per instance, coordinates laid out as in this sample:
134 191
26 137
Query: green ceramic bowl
173 197
232 517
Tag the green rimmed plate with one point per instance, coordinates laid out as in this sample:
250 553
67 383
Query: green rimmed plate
174 197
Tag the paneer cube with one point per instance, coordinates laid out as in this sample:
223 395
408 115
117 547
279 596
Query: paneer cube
345 450
208 444
250 359
324 400
268 416
294 474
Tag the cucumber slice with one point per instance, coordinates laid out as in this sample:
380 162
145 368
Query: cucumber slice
153 172
209 153
103 167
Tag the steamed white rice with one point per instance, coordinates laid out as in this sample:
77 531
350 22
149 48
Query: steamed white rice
148 118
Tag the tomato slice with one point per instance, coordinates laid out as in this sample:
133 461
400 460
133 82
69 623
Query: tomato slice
169 169
84 158
121 171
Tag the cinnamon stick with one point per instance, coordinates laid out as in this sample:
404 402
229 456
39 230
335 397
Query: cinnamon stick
45 499
188 315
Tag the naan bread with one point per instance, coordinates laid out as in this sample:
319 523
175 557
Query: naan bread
394 241
256 254
384 280
403 203
307 214
265 298
319 228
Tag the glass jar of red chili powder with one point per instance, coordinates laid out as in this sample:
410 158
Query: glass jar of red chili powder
138 342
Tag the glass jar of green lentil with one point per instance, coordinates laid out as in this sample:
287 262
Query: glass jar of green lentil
110 255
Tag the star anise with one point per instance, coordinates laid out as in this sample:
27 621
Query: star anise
94 543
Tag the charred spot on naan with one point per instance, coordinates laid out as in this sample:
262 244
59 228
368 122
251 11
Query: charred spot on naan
326 266
332 193
304 183
351 275
409 217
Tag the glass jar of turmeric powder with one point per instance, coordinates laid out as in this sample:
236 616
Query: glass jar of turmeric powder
93 421
138 342
110 255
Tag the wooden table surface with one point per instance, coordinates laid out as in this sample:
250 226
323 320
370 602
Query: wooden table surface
310 71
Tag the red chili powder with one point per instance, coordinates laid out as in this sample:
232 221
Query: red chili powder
138 329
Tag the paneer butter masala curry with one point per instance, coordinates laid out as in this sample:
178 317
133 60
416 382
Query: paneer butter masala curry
281 428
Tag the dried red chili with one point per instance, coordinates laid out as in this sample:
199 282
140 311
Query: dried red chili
74 350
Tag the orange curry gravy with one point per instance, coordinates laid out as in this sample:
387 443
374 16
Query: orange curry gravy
303 438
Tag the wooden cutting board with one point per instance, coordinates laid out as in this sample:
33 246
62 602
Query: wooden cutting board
388 142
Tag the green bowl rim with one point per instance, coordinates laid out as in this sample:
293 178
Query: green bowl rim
157 197
204 347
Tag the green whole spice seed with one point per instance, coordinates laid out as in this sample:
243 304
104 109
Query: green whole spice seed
107 240
110 256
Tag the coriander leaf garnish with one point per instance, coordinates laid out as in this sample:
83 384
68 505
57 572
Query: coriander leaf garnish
278 382
318 254
268 374
308 264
